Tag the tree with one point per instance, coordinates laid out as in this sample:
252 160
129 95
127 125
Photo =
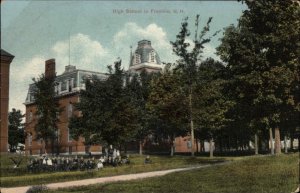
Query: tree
107 113
16 133
138 87
262 57
188 62
210 104
167 103
47 110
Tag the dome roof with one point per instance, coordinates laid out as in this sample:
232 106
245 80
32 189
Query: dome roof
144 54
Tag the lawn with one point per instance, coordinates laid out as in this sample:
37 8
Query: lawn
20 177
259 174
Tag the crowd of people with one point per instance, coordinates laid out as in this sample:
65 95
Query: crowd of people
110 157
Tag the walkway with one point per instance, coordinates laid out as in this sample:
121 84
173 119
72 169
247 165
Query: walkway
102 180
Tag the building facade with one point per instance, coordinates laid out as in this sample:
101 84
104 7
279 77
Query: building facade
69 84
6 59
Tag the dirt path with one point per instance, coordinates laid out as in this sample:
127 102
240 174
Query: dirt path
101 180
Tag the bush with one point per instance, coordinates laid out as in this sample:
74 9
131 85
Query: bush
37 189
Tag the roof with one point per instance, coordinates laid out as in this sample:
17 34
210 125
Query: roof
73 78
5 53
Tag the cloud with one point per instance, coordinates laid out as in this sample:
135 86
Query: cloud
210 51
85 54
21 75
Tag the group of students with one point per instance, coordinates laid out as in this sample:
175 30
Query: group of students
44 163
47 164
109 157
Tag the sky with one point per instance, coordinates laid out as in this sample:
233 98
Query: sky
96 33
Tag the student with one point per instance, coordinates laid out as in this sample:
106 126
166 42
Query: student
147 160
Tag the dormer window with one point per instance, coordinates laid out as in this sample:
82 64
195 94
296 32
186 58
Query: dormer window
70 85
137 58
152 56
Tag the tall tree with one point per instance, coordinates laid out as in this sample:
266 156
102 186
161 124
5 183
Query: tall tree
262 55
189 60
138 87
107 113
211 105
167 102
16 133
47 110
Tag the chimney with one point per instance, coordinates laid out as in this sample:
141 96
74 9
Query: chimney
50 68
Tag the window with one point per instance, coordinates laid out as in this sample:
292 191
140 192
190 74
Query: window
70 110
189 144
30 116
57 133
70 150
70 83
29 138
69 136
59 88
57 115
137 59
152 56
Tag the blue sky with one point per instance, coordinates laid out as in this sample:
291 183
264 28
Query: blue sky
99 33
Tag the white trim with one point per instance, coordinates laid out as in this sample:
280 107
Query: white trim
146 64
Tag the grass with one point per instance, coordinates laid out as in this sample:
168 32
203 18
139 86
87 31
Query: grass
267 174
19 177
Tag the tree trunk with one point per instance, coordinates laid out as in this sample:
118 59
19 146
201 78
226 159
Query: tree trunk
211 150
172 150
256 144
221 145
197 146
191 122
292 143
172 146
277 141
285 145
271 141
141 147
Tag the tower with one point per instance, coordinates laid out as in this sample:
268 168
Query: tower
144 58
6 59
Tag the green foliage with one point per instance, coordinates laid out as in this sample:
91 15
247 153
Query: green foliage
108 114
167 102
47 109
16 133
138 88
262 56
188 62
211 105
